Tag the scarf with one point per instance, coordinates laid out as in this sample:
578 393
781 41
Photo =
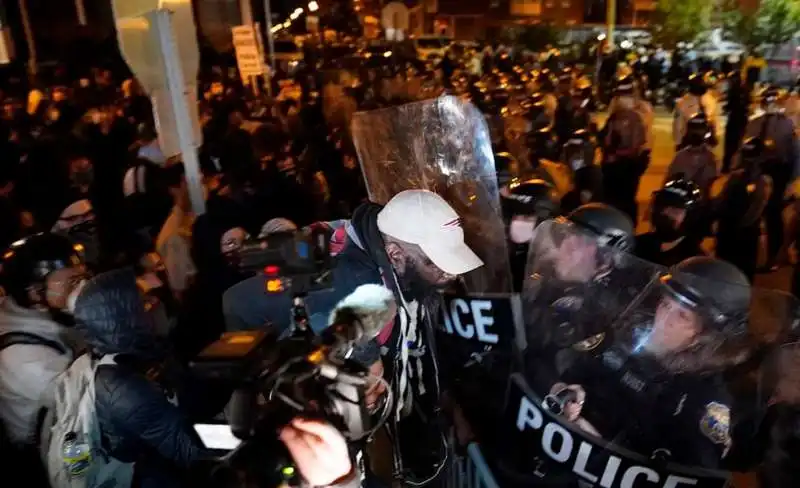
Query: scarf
405 338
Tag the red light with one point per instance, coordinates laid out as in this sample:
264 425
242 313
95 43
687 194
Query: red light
272 270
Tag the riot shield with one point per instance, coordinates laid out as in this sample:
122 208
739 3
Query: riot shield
441 145
631 371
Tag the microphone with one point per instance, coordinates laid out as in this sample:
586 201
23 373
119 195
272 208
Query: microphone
360 316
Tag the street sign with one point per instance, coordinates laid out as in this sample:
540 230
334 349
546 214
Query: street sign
249 58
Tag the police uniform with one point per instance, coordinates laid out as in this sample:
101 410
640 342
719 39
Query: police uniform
780 163
635 403
623 144
686 107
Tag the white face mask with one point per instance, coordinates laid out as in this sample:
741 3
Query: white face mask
73 296
521 231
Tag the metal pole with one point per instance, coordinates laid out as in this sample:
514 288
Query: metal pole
81 11
178 98
247 12
270 40
611 20
29 39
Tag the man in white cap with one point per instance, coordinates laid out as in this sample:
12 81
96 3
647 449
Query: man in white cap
414 245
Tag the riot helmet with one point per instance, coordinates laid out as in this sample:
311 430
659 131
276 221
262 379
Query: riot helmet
525 205
565 79
506 166
770 96
29 262
698 130
625 86
529 197
545 81
536 111
578 151
583 92
542 144
675 209
609 225
697 85
716 290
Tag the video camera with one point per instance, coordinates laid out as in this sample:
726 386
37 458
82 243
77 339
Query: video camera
277 379
298 262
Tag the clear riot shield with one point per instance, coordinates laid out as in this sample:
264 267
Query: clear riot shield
632 374
441 145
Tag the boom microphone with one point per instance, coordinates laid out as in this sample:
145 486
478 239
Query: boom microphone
360 316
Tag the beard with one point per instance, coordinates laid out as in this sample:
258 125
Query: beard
415 286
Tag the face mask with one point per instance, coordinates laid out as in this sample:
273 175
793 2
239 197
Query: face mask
73 296
665 228
521 231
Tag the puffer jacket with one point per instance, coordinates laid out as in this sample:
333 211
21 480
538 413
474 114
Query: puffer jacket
137 419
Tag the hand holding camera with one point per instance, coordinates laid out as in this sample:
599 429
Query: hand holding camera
319 451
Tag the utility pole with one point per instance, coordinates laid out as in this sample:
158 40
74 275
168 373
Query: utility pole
611 20
29 39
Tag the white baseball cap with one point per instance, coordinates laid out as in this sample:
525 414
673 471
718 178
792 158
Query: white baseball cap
424 218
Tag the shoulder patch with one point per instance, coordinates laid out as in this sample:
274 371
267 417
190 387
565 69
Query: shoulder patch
715 423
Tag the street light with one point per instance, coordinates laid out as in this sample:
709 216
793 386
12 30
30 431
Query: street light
313 6
294 15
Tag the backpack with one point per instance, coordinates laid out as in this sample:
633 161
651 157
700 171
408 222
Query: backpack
74 410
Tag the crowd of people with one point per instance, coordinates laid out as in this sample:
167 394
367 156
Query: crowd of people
107 258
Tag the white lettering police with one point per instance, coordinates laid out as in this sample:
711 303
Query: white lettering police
457 319
559 444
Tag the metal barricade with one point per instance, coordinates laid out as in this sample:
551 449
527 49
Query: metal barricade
469 471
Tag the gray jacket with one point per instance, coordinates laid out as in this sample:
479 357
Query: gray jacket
27 371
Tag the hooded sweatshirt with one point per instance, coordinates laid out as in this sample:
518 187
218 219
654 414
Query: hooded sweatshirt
27 371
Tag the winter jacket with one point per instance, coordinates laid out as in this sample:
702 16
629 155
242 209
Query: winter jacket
27 371
138 418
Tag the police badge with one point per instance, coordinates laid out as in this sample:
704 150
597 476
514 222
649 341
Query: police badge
715 423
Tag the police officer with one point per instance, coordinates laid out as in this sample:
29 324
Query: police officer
525 204
667 371
695 160
780 160
587 179
545 84
739 204
624 140
698 99
565 106
677 210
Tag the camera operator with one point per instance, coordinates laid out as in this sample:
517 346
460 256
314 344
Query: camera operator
141 397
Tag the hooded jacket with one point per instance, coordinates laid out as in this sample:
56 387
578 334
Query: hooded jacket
27 371
137 420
